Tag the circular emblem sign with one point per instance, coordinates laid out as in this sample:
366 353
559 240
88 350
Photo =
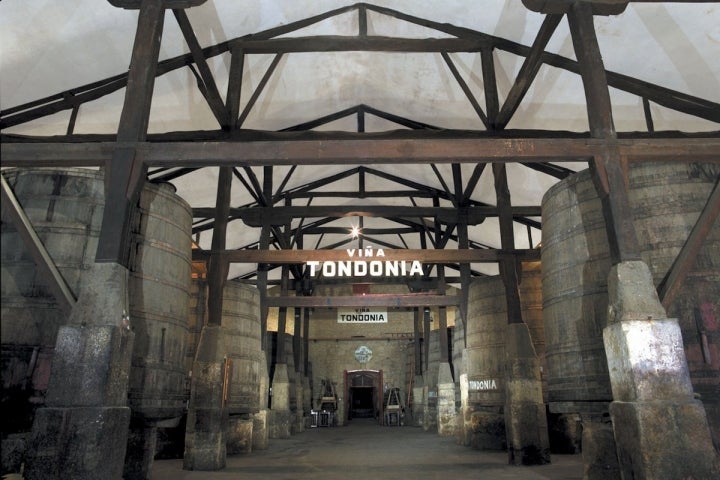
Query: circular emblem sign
363 354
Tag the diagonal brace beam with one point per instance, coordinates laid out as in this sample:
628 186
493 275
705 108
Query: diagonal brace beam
59 288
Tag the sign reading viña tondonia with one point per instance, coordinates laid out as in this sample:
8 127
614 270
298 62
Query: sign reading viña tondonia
363 262
361 315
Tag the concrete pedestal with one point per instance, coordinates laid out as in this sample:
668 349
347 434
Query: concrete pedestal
280 418
418 406
260 419
462 422
239 435
429 407
260 430
599 451
300 395
525 417
141 446
83 443
661 432
205 433
83 431
446 402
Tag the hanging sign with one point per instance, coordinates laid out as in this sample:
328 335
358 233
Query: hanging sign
363 262
361 315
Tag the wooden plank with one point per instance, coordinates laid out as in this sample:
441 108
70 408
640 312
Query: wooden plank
466 90
346 43
528 71
608 173
352 151
125 173
278 257
218 266
508 266
258 216
210 90
135 4
370 300
673 281
492 102
46 267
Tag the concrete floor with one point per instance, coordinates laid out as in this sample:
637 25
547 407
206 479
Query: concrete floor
366 451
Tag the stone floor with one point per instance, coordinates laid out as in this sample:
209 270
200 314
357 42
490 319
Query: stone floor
366 451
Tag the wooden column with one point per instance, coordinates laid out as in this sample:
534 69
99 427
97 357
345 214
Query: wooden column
306 340
125 173
442 319
607 167
417 335
508 266
218 265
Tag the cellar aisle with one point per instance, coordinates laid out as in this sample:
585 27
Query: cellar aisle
364 450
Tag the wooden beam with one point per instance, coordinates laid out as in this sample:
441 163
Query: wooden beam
218 265
258 216
135 4
345 43
46 267
475 255
673 281
371 300
126 171
508 266
208 87
528 71
352 151
466 90
607 169
597 7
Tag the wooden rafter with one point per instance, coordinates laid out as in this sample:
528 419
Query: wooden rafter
71 98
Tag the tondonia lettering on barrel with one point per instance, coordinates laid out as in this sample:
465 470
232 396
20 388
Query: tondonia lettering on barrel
358 266
489 384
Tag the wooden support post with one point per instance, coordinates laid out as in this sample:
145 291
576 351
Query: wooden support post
282 318
125 173
442 319
417 335
218 265
608 174
508 266
426 338
306 340
297 341
262 269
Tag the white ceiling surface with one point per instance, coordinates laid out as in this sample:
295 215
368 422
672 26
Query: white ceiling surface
48 46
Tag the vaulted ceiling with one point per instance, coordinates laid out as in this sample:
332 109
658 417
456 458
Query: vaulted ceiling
233 70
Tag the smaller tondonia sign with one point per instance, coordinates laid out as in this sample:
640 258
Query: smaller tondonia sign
361 315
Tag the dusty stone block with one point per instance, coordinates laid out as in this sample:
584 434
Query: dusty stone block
85 443
599 453
91 366
13 453
664 441
239 435
528 442
279 423
260 430
487 431
646 360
